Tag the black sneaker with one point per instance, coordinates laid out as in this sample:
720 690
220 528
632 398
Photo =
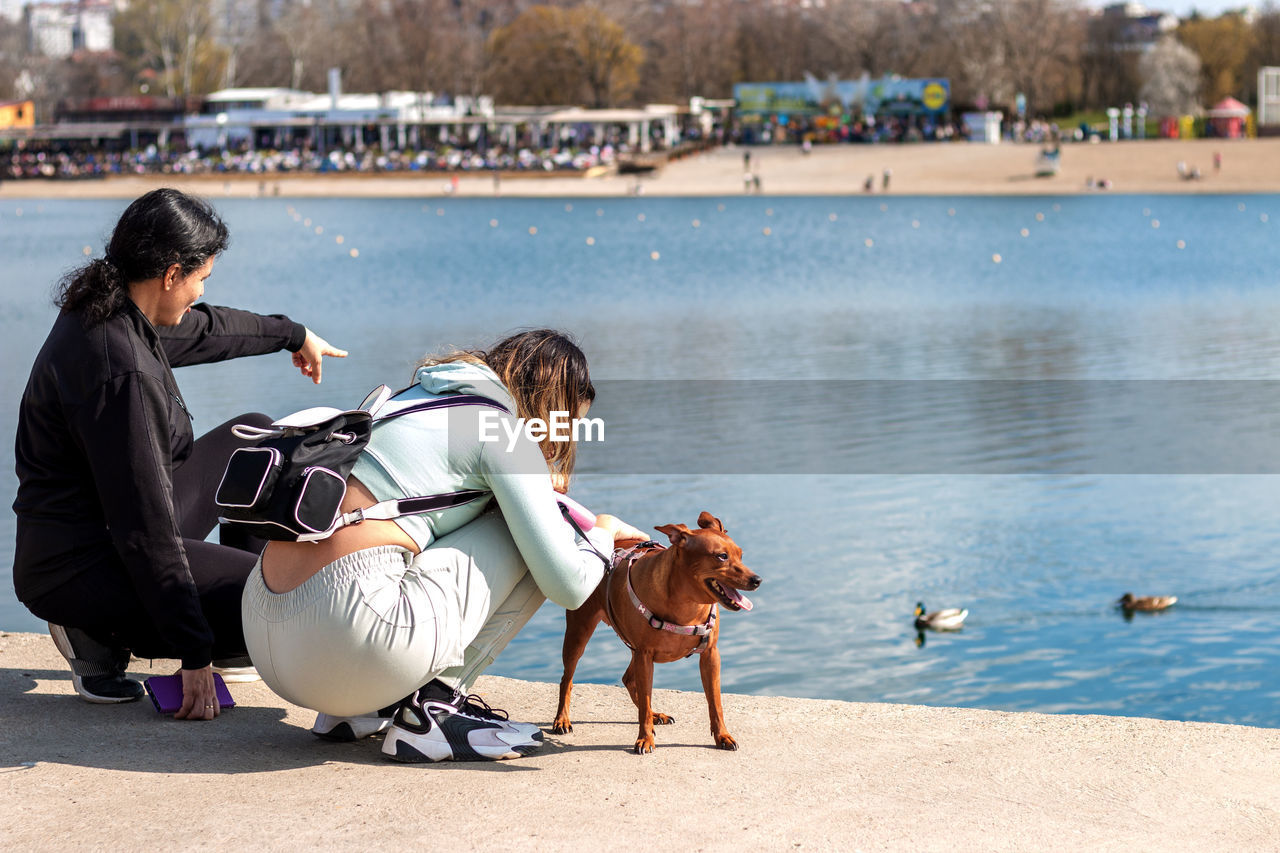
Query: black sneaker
428 730
473 705
97 671
107 689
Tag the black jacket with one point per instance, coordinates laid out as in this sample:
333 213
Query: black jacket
100 427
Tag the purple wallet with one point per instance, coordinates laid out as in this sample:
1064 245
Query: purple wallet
166 692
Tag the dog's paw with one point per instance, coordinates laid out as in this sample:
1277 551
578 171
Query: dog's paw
726 741
561 727
662 719
644 744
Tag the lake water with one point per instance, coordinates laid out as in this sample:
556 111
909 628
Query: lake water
885 399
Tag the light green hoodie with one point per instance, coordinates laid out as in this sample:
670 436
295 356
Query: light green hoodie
434 452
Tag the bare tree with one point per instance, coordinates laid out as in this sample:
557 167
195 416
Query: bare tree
13 44
174 37
1267 35
1035 45
688 50
1266 45
774 42
265 59
399 44
585 51
1108 63
474 23
91 75
895 44
313 34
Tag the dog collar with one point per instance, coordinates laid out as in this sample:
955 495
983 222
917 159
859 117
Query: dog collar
625 557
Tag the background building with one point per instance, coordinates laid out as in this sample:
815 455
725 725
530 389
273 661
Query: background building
1269 96
17 114
1138 27
58 30
11 10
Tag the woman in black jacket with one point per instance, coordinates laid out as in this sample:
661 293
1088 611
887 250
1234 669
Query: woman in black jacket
115 496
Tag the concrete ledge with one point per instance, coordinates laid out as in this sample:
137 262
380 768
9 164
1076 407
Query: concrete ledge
810 775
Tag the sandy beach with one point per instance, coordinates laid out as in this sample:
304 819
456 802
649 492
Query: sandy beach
1248 166
810 775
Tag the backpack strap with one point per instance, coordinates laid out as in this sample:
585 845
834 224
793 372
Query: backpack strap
443 403
396 507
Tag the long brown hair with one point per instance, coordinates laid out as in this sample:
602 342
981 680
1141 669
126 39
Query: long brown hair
546 372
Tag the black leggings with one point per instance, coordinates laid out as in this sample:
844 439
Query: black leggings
101 600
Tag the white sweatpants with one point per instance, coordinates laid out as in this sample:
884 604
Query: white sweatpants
374 626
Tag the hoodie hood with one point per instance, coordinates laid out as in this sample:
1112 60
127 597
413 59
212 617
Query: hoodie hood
463 377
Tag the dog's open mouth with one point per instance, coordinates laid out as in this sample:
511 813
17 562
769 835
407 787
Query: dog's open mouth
729 596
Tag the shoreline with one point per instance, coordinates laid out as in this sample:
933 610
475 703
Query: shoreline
810 774
934 169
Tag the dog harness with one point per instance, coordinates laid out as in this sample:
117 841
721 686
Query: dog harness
623 558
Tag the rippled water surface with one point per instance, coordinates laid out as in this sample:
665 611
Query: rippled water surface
1013 482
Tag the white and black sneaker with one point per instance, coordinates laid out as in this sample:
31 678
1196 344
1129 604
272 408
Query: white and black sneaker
473 705
430 730
97 671
348 729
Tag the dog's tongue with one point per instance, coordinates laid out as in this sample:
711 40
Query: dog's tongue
737 598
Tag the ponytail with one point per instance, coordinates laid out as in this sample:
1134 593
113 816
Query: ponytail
95 290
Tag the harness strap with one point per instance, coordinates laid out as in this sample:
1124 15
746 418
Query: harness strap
568 516
624 558
609 572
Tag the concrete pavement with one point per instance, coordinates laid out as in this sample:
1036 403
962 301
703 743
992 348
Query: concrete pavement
810 775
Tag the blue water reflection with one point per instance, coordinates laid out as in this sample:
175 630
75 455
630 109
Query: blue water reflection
840 289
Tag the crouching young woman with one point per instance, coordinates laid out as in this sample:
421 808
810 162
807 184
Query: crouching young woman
386 624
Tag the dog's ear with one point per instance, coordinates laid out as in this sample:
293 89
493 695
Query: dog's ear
707 521
675 532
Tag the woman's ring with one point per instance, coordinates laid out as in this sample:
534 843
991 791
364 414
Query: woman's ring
210 707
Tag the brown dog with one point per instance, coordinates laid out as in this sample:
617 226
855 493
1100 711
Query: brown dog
680 588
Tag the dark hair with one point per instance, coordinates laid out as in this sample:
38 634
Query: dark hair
160 229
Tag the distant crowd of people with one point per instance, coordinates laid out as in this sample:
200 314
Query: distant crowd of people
801 129
88 163
1036 131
